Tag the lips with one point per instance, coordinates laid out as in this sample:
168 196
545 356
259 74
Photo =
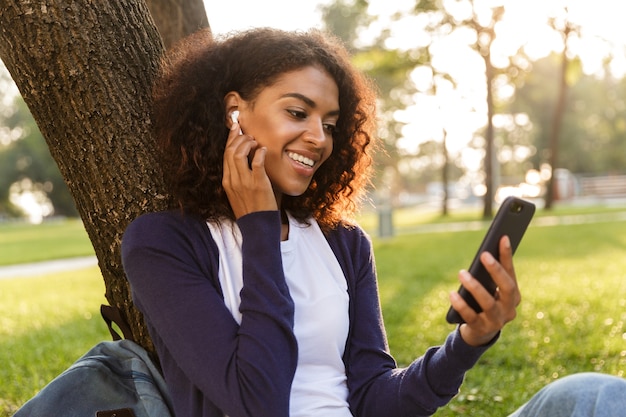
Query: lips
301 159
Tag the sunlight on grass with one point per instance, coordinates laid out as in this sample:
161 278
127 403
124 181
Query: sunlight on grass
572 317
46 323
21 242
573 281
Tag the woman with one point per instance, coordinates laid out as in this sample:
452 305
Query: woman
259 293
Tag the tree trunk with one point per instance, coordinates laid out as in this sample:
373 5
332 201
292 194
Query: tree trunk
557 122
177 18
445 170
489 139
85 70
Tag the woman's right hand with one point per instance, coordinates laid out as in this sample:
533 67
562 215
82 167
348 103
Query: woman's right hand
246 183
498 309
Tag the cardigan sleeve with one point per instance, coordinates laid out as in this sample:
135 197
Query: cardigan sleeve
243 370
377 387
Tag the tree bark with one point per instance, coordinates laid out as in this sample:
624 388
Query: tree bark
85 70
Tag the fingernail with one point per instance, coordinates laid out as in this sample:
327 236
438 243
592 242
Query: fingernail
507 242
489 259
464 276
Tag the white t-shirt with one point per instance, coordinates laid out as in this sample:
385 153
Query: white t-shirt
320 294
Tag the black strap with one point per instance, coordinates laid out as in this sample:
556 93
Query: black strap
113 315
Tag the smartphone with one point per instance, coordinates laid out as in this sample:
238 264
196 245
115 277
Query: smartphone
512 220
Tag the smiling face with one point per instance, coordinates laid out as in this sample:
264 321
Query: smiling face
294 119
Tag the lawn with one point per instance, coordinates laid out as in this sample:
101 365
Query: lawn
46 323
21 242
573 281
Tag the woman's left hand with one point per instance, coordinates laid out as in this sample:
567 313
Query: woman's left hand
499 309
245 180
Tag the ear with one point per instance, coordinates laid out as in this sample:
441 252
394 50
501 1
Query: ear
232 102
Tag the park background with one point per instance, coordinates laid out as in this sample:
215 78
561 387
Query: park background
431 186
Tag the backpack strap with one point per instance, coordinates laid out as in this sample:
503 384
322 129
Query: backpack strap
113 315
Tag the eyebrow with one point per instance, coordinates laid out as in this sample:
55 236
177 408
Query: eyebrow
308 101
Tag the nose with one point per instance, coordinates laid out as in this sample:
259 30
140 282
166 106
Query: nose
316 134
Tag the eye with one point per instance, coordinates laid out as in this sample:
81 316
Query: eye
330 127
298 114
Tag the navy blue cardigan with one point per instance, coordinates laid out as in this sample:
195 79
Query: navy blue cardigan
215 367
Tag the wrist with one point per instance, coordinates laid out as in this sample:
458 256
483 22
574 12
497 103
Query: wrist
474 338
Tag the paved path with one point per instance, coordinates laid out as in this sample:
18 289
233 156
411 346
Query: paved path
47 267
540 221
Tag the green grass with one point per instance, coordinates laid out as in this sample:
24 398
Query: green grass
572 317
46 323
21 242
573 281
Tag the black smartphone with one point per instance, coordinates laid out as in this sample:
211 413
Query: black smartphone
512 220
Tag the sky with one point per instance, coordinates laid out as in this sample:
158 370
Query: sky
243 14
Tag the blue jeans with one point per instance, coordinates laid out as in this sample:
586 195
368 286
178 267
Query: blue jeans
578 395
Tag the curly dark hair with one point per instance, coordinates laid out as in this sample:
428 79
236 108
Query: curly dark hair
189 118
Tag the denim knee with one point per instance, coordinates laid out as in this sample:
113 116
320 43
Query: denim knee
578 395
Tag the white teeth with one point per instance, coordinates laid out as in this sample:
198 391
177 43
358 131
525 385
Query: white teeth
302 159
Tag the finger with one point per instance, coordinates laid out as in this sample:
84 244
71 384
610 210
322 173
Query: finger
236 172
506 260
262 181
238 147
478 291
466 312
505 281
257 163
241 156
234 141
234 132
506 256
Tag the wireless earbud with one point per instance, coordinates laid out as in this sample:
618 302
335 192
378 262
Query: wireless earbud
234 116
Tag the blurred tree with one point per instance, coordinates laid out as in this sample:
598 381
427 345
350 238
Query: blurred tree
594 126
85 69
485 37
520 139
390 70
566 29
345 18
176 18
28 157
478 21
577 119
510 143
